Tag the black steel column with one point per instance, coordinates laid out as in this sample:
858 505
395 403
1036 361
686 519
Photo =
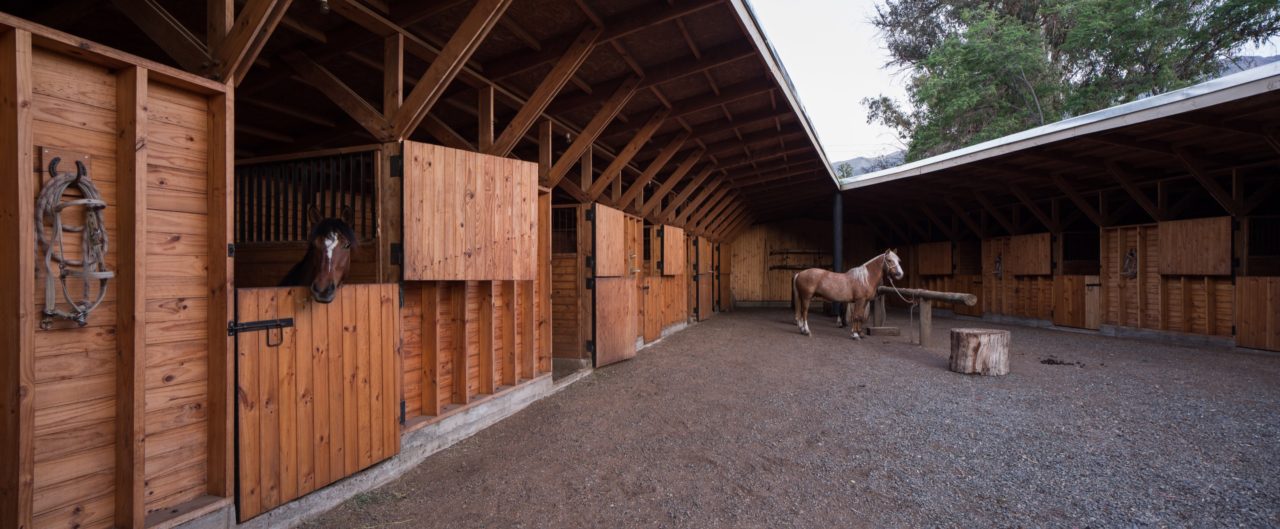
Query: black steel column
837 245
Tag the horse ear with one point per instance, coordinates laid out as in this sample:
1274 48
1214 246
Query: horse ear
313 215
348 216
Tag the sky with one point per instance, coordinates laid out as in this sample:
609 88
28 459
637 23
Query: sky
835 58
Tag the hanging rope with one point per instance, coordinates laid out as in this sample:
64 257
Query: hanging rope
92 264
911 310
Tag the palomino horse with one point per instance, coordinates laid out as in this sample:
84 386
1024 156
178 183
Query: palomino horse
328 256
856 287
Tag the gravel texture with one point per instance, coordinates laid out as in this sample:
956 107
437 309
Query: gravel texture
740 421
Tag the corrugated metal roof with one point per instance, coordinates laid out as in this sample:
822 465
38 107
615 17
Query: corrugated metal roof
1217 91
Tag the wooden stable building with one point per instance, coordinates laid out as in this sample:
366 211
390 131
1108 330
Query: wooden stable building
1158 218
532 184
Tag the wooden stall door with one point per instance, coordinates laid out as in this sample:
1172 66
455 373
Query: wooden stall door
318 401
1076 302
1258 312
615 288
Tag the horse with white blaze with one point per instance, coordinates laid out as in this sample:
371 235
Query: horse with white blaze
857 287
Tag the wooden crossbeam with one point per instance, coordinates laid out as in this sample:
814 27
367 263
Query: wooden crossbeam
445 134
673 215
1136 193
720 229
447 64
714 205
1260 195
673 179
664 73
710 199
665 212
716 219
615 27
392 75
246 37
654 166
342 95
964 217
995 213
726 95
592 130
546 91
1033 208
1215 190
614 170
774 177
484 114
946 229
1080 202
168 33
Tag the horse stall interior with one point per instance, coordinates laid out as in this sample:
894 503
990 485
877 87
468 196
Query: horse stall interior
123 419
615 280
765 256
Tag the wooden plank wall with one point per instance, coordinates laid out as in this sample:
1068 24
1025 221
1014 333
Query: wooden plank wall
77 114
322 404
705 282
1025 296
753 281
1196 247
933 258
464 341
570 300
1076 301
1258 312
1180 303
468 216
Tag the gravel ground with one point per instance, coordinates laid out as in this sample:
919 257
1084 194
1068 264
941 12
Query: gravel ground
742 422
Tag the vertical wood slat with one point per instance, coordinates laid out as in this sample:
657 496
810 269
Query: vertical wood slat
510 366
363 365
221 381
350 385
375 333
267 362
131 304
484 326
458 303
17 212
430 350
288 405
247 391
320 391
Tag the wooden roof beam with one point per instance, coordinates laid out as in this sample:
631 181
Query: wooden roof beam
672 217
1035 210
339 93
665 211
694 207
651 171
245 38
592 130
944 227
1224 199
167 32
545 92
995 213
670 183
664 73
614 27
697 220
614 170
1126 181
965 219
1080 202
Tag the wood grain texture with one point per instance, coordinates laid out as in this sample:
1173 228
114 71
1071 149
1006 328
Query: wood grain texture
1196 247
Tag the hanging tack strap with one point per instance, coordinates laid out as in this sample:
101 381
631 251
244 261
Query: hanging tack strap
91 266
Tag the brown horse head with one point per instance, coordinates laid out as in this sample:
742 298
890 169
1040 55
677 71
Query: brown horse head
892 263
328 257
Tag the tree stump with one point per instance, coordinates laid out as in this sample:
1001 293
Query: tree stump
982 351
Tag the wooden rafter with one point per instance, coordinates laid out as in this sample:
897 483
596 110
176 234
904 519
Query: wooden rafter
665 212
592 130
944 227
696 221
1080 202
546 91
674 215
392 75
674 178
654 166
709 198
664 73
614 170
964 218
246 37
445 134
995 213
1126 181
1035 210
171 36
348 100
484 115
1215 190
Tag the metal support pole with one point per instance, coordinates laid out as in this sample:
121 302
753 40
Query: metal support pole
837 246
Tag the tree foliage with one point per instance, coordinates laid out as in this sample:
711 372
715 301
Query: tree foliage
982 69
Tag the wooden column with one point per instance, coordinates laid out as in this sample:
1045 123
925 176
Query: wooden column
131 296
392 75
546 153
221 284
17 266
926 322
485 116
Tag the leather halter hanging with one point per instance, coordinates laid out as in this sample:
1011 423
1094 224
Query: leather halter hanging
91 266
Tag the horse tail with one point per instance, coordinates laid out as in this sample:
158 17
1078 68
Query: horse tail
795 294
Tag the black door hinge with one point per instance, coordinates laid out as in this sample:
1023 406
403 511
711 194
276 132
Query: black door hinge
401 294
397 254
231 249
591 261
591 214
695 278
591 346
591 283
660 267
403 412
397 166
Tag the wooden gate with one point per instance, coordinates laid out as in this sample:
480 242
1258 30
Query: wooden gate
1076 301
316 401
1258 312
614 277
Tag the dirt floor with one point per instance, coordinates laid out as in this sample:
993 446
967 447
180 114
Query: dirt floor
742 422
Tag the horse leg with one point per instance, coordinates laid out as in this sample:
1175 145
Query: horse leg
804 314
857 315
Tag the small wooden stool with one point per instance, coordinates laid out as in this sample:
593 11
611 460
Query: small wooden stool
981 351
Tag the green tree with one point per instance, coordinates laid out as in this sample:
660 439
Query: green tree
982 69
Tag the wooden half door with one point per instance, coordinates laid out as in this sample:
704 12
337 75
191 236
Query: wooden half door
614 287
317 385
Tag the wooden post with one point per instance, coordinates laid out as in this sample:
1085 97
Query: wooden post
17 265
221 385
981 351
877 316
926 322
131 304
